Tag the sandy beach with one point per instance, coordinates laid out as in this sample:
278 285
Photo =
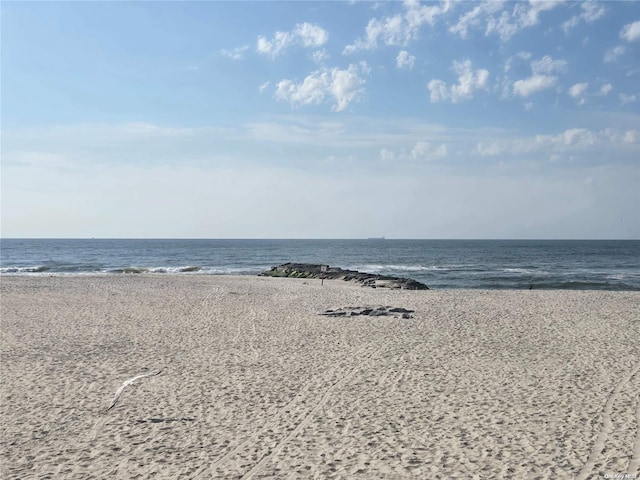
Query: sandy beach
255 383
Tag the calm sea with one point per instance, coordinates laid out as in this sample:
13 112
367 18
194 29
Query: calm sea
492 264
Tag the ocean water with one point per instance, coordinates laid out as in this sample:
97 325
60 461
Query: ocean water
450 264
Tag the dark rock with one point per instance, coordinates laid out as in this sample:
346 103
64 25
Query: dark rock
400 310
370 312
308 270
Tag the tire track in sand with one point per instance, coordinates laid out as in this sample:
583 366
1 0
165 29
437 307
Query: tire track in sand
254 436
323 399
606 427
634 462
299 397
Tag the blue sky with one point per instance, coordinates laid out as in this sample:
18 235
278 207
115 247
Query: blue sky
321 119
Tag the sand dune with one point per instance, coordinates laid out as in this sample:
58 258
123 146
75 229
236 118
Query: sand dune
256 384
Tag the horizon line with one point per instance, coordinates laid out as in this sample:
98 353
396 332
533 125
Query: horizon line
379 239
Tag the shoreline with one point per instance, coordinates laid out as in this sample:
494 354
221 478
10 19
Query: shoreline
255 381
519 288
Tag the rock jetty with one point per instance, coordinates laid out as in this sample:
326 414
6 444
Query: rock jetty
308 270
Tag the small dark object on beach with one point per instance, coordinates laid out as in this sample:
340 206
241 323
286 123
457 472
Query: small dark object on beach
400 310
396 312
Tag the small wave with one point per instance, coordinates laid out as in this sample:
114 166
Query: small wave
233 270
36 269
128 270
395 268
189 269
616 277
416 268
623 276
186 269
113 270
524 271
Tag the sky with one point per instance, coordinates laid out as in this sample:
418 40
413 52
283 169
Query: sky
411 119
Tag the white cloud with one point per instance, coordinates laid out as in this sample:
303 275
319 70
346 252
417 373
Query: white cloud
533 84
405 60
571 23
577 142
399 29
310 35
439 90
613 53
320 56
541 78
489 150
387 155
617 137
236 53
391 31
578 91
425 151
626 98
580 137
547 65
591 11
606 89
524 55
631 31
264 86
312 90
420 151
475 17
344 86
575 139
518 56
469 81
504 26
502 18
521 16
276 46
305 34
418 14
631 136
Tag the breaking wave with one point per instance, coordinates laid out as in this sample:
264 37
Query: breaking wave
37 269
